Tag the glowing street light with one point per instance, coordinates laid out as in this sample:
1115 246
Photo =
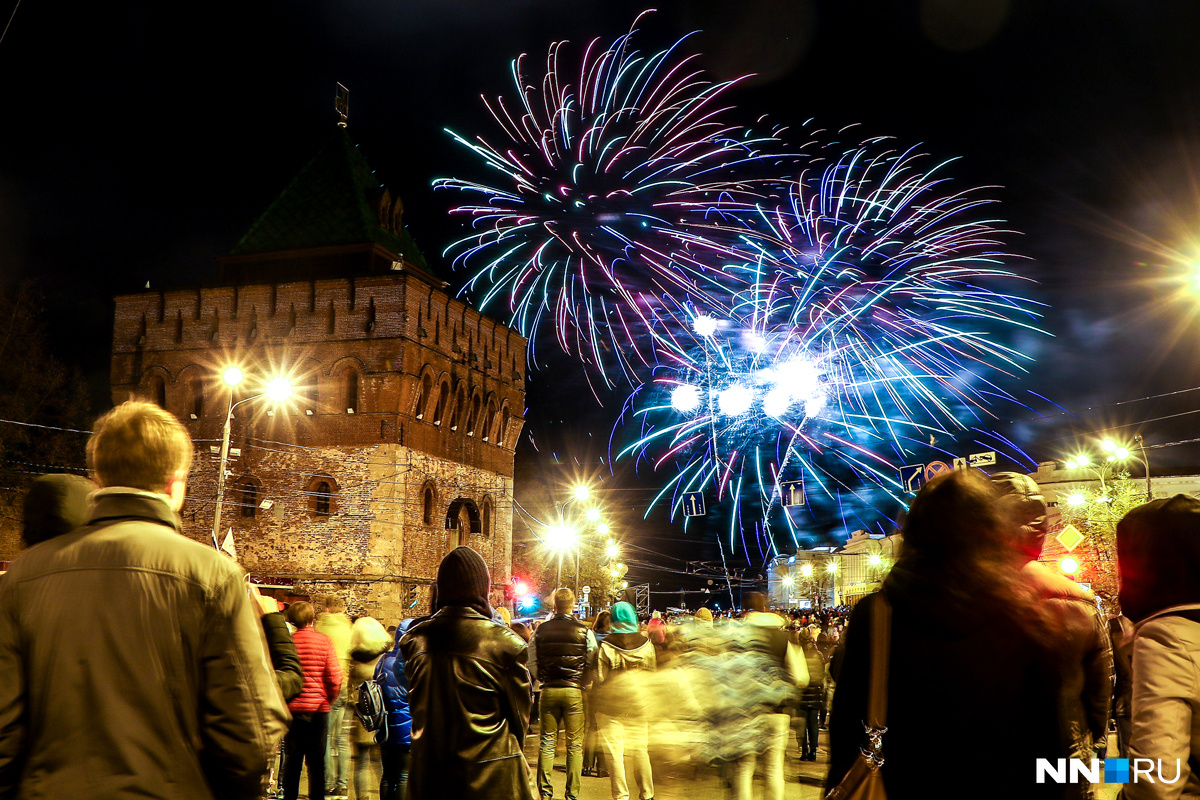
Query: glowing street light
1069 565
876 559
1075 499
582 492
278 389
613 550
806 570
788 580
603 529
831 567
592 514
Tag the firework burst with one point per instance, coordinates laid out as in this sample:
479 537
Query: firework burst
606 174
872 318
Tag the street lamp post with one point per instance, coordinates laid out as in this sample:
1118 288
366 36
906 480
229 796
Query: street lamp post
278 389
1119 453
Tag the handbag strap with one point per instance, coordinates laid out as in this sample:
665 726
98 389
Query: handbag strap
881 639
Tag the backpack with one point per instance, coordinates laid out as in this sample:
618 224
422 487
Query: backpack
370 709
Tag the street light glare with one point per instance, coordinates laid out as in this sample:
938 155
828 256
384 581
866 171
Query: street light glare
560 537
279 389
787 580
806 570
1069 565
582 492
593 514
232 376
613 551
1074 499
603 529
831 566
1109 445
1121 452
876 559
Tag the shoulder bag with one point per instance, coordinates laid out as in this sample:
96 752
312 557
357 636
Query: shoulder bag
864 780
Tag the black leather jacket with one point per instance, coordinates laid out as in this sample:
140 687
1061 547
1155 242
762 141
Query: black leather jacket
469 691
562 652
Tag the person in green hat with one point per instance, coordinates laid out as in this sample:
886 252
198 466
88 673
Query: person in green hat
621 703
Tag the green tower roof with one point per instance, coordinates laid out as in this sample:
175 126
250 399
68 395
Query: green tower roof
334 200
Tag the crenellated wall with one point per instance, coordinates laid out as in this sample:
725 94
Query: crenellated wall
397 388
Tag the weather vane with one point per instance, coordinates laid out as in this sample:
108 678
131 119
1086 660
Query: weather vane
342 104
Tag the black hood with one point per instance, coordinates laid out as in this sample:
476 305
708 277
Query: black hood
54 505
1158 556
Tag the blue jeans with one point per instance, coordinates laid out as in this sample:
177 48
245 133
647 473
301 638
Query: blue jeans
337 751
562 707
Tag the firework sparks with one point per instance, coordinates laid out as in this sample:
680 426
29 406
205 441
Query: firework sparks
604 176
872 319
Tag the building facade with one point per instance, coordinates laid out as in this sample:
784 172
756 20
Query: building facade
397 443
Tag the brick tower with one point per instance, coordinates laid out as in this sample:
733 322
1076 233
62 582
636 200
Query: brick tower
398 442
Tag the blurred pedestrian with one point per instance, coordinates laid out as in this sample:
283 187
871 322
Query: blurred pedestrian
306 741
811 701
593 756
969 659
561 655
622 703
468 689
396 747
766 649
131 658
1083 652
368 642
1158 557
333 622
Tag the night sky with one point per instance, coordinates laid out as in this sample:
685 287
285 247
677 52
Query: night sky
139 144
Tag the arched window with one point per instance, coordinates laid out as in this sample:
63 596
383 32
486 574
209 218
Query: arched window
352 392
460 407
485 514
323 498
250 497
473 416
196 387
158 391
489 418
310 390
500 434
423 396
442 401
429 501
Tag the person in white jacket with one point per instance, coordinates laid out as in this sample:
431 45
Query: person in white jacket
1158 552
622 703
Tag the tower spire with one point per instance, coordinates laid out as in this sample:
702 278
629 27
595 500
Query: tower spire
341 104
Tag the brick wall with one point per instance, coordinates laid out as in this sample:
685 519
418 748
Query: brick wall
439 405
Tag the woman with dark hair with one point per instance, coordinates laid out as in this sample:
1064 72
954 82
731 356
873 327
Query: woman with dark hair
1158 555
969 660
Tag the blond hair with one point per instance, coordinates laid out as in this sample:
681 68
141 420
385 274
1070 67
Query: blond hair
564 600
140 446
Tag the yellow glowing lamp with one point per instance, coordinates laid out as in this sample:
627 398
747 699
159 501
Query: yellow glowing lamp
876 559
831 567
806 570
582 492
1069 565
232 376
279 389
593 514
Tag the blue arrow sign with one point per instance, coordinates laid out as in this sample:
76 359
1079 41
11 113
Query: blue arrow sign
693 504
912 477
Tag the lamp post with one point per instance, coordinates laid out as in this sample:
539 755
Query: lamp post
278 389
1119 453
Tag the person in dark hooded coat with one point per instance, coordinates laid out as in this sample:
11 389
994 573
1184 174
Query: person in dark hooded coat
469 692
1158 555
54 504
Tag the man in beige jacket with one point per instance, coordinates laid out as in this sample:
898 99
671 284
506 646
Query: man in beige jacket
132 661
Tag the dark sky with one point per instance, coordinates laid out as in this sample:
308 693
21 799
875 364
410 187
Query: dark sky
138 144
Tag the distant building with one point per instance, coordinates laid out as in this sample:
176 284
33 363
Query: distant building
832 576
398 445
1058 482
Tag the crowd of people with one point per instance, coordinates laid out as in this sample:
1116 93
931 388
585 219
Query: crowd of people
136 662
